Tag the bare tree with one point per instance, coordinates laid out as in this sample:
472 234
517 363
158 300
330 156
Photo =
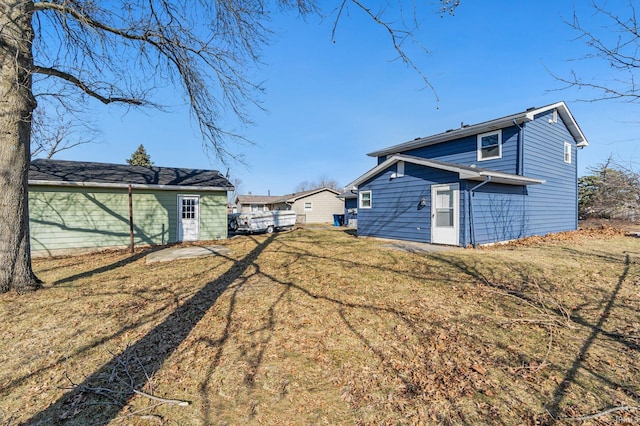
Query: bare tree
610 191
119 52
322 182
614 44
54 133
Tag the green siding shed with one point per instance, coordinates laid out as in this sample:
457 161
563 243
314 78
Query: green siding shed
80 205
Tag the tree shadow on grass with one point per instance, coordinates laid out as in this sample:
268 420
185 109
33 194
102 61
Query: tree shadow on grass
112 266
156 347
518 288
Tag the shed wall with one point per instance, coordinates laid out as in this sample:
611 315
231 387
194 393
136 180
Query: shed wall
71 217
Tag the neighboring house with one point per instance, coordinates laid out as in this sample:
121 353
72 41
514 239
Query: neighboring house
503 179
252 203
80 205
314 206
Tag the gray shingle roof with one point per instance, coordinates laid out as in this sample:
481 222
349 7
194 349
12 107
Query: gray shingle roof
104 174
274 199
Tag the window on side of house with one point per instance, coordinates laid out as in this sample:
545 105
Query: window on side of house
308 206
567 152
365 199
400 169
490 145
554 116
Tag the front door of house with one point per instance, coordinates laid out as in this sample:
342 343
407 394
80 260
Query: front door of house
445 213
188 217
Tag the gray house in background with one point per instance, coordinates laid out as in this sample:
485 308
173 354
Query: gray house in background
313 206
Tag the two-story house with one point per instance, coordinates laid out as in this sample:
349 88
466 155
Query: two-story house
503 179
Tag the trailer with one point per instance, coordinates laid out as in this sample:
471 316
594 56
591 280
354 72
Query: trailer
262 221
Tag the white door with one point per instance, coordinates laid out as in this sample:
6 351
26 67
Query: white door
445 207
188 217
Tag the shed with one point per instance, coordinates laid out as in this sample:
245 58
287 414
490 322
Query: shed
85 205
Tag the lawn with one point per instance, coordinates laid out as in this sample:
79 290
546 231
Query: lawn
320 327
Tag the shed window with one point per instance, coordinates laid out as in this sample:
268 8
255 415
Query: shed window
567 152
308 206
490 145
188 208
365 199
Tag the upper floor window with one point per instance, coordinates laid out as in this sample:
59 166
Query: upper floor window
554 116
400 169
308 206
567 152
365 199
490 145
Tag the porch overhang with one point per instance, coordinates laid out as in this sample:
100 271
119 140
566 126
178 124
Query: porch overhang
464 172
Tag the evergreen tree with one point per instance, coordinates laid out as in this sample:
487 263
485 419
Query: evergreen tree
140 158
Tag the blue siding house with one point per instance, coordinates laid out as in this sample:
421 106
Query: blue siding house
500 180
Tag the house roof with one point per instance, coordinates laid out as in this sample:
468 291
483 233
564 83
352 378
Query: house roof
257 199
464 172
347 193
274 199
487 126
80 173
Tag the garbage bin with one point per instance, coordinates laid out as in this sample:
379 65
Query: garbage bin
338 219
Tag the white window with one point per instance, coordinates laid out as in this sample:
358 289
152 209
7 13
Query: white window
554 116
400 169
257 207
490 145
567 152
308 206
365 199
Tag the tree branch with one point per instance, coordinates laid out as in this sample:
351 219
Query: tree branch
82 86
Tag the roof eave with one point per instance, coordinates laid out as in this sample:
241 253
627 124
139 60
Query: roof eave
34 182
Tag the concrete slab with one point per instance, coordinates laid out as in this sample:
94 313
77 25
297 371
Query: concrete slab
413 247
174 253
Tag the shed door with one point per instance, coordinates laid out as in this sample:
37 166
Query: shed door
445 206
188 217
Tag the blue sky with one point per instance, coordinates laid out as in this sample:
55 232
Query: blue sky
329 104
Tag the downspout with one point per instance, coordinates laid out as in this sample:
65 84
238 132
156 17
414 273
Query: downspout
520 170
520 164
472 228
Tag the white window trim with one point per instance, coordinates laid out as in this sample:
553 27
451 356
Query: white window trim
565 152
554 116
400 169
360 194
479 145
310 208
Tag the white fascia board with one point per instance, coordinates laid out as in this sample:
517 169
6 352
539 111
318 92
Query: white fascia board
463 173
462 132
125 186
568 120
488 126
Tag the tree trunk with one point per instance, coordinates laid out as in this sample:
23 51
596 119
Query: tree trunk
16 105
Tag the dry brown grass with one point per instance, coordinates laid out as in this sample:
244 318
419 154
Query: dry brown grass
319 327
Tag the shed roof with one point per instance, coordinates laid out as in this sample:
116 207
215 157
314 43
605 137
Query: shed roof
81 173
499 123
464 172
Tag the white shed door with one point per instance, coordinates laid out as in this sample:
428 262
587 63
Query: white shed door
188 217
445 206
